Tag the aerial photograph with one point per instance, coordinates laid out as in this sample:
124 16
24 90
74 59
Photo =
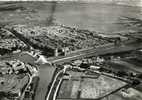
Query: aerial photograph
71 50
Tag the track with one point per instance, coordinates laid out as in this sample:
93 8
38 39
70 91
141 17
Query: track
89 52
101 50
51 91
57 83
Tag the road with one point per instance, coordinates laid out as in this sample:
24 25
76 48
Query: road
55 86
101 50
109 48
46 73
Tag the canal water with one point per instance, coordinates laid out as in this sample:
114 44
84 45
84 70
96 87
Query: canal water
45 74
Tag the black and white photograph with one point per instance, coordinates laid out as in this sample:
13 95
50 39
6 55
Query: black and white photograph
71 50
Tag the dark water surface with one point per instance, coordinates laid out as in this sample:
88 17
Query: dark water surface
84 15
93 16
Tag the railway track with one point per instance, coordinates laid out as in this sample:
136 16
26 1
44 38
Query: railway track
53 85
57 83
110 48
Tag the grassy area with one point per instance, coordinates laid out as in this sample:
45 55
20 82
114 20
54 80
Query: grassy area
90 88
